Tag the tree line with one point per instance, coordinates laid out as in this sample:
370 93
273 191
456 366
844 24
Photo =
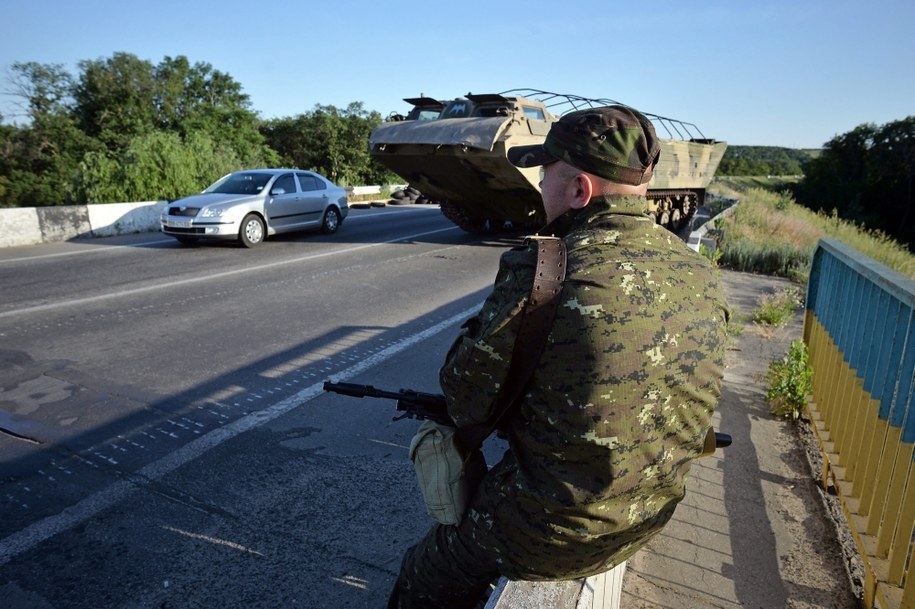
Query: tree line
764 161
867 176
864 176
123 129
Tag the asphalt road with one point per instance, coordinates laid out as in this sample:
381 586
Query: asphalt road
164 438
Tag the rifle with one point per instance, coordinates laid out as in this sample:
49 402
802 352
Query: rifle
413 404
419 405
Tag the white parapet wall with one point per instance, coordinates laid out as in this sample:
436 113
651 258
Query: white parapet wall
124 218
373 190
33 225
19 226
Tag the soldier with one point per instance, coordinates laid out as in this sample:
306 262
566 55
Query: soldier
621 399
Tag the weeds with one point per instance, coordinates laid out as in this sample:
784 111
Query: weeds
736 325
712 253
790 382
777 309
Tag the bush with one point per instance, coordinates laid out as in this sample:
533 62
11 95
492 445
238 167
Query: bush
790 382
154 167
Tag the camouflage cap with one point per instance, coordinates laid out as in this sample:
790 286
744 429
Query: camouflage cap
613 142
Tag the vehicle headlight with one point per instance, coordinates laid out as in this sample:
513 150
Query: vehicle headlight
216 212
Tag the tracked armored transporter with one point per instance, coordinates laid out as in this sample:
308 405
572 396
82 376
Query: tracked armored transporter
458 157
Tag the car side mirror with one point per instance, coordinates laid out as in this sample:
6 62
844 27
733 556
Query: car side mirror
278 191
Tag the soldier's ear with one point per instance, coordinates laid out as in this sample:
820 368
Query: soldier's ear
581 189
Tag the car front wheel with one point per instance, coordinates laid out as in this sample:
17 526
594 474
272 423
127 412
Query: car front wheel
331 221
252 231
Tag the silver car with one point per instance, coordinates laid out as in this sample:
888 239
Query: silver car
253 204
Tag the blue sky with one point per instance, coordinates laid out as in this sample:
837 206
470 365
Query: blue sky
774 72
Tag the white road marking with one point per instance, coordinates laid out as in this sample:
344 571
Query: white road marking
42 530
200 279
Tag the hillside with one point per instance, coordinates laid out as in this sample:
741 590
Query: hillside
764 161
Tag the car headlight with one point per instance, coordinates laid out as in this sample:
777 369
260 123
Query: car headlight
216 212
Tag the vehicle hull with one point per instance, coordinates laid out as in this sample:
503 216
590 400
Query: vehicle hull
462 164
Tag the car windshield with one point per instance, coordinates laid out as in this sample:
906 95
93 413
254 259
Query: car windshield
248 183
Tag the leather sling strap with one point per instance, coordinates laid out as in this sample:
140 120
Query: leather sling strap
536 323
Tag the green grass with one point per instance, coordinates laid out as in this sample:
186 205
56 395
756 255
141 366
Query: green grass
769 233
777 309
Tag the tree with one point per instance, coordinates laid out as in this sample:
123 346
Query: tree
866 176
114 99
330 141
45 89
38 160
123 97
894 158
156 166
198 99
111 113
125 129
37 163
762 161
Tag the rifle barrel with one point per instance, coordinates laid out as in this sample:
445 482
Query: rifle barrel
360 391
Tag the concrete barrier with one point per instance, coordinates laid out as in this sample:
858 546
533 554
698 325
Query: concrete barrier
63 222
33 225
124 218
373 190
603 591
19 226
697 237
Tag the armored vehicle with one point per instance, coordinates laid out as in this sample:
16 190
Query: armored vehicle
458 158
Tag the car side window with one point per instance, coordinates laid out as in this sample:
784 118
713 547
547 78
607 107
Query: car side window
309 182
286 182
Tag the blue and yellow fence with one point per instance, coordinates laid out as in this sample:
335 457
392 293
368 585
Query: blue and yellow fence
859 328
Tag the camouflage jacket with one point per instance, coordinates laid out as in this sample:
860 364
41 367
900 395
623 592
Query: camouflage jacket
619 403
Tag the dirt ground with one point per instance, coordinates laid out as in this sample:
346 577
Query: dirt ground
755 529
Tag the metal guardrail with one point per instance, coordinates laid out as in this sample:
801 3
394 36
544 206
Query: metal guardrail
859 328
